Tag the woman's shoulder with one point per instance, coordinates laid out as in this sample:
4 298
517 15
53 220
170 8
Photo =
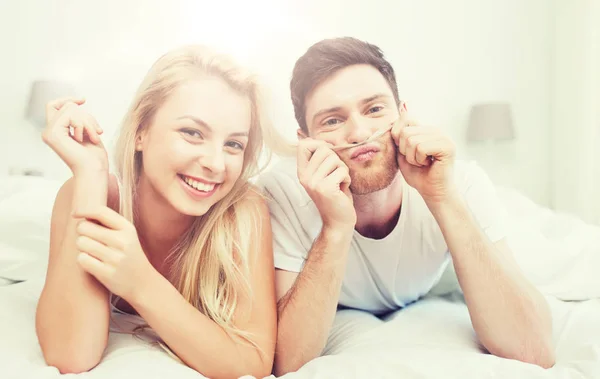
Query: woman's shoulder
254 200
255 195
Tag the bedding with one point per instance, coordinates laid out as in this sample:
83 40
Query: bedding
432 338
25 211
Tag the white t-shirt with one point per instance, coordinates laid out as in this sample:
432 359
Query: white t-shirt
386 274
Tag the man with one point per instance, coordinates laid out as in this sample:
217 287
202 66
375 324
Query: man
373 227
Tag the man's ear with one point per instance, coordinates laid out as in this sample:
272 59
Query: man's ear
300 133
402 107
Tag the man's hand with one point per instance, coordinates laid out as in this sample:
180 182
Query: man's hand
326 179
426 160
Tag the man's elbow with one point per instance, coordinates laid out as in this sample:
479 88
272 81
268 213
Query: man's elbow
540 354
285 364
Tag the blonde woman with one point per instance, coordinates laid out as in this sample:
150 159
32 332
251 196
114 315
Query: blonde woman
178 236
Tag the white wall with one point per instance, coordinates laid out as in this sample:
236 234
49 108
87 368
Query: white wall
595 215
576 105
447 55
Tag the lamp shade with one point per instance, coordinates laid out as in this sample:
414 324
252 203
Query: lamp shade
490 121
42 92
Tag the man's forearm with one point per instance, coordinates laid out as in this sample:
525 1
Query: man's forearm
307 311
509 315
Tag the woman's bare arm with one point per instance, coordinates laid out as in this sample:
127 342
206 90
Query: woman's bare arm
73 311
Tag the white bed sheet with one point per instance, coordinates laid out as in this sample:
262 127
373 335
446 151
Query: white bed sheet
126 357
434 339
431 339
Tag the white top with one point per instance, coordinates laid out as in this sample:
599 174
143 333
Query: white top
386 274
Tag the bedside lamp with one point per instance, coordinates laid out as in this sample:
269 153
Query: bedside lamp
490 122
35 156
42 92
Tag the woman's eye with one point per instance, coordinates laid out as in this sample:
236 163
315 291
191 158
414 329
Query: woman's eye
236 145
192 133
375 109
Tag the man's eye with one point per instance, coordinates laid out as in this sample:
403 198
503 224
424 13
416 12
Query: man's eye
375 109
332 121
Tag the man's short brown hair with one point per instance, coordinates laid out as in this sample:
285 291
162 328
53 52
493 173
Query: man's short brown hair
326 57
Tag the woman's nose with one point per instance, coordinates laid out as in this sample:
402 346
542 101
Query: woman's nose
214 160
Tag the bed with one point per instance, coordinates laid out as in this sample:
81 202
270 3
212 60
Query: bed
432 338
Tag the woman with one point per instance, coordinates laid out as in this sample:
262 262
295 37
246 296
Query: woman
178 237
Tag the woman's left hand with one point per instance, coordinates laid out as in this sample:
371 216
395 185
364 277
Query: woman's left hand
111 252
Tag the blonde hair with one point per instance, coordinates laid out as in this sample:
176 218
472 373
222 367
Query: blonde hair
210 261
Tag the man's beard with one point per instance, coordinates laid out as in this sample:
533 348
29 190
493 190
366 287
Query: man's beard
375 174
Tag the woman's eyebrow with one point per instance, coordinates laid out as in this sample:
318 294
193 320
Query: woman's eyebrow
203 124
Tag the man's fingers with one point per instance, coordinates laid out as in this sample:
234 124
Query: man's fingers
435 148
329 165
421 156
411 133
421 149
424 152
317 159
399 125
412 144
339 177
306 148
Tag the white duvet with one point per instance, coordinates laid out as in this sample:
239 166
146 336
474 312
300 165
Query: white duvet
430 339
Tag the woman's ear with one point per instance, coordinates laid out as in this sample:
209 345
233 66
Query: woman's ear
139 142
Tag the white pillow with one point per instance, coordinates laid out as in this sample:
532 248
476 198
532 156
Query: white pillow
25 213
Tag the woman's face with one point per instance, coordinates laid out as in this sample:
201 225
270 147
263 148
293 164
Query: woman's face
193 151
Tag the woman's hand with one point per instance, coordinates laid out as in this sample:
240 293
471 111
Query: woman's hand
74 135
111 252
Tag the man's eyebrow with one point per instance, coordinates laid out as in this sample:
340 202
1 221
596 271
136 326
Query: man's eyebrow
325 111
374 97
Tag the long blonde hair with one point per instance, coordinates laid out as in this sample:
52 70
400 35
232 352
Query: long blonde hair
210 261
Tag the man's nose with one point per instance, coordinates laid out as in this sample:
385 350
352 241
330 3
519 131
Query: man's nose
359 130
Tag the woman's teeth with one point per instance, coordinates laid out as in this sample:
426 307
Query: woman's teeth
198 185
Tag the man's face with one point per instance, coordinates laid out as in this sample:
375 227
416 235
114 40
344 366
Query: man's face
347 108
